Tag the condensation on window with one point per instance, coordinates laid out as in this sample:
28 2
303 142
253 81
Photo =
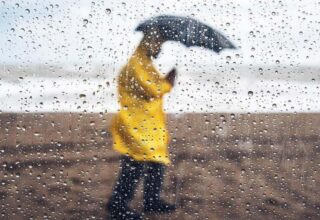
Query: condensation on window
159 109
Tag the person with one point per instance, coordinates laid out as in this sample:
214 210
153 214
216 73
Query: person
139 132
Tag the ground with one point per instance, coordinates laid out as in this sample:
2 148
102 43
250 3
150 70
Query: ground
224 166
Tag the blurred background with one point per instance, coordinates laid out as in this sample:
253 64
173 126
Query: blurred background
244 123
58 51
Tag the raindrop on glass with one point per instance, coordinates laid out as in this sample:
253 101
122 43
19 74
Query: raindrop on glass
108 11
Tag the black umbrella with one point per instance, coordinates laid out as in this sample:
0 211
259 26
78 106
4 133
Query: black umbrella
187 31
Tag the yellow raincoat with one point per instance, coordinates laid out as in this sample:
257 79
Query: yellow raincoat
139 129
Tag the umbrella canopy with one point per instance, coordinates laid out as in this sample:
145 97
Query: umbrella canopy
187 31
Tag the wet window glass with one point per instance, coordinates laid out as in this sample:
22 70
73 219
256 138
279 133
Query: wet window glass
159 109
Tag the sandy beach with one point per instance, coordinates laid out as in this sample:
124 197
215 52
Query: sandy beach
224 166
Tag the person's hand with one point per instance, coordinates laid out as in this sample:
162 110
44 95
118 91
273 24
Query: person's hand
171 76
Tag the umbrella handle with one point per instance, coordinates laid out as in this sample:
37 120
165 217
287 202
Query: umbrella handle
171 76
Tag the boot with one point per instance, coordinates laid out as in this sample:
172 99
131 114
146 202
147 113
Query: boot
159 206
122 212
124 190
153 181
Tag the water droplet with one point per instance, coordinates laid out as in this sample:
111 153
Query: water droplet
82 96
108 11
85 21
250 93
36 134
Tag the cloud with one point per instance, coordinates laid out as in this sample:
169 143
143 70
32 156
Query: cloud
55 31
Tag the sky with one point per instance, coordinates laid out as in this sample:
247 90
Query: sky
74 32
277 57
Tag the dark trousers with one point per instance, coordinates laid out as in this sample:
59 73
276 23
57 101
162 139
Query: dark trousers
131 172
